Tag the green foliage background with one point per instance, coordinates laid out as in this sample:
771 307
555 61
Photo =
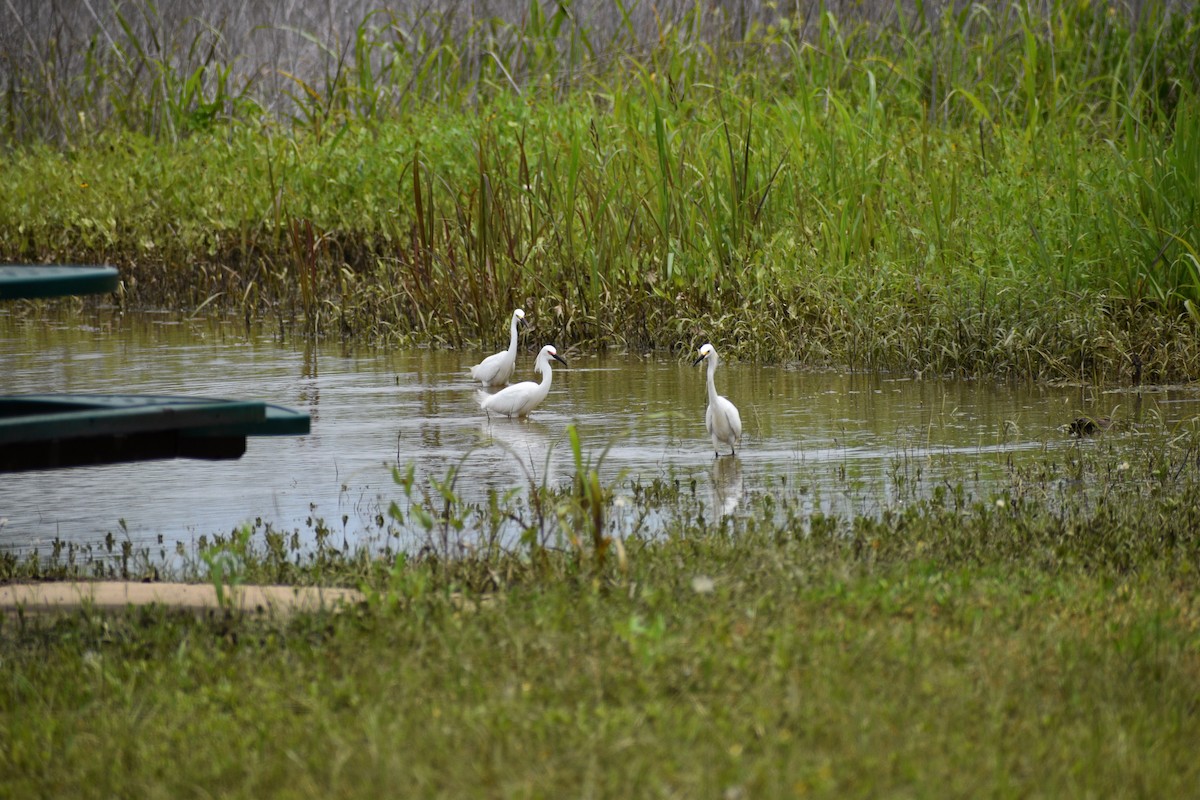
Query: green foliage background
1006 190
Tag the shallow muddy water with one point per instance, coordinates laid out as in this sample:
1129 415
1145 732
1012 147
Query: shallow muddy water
850 442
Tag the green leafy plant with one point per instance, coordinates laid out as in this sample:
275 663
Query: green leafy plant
225 561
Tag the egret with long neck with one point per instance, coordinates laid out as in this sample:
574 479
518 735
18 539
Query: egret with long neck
495 370
521 398
722 419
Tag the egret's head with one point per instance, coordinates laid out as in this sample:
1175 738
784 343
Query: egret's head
519 314
706 350
543 359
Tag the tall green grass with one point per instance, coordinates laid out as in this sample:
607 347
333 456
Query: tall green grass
963 189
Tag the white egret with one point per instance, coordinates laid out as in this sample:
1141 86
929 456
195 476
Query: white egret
722 419
495 370
521 398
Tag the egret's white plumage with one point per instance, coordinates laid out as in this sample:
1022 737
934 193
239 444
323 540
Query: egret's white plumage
521 398
495 370
722 419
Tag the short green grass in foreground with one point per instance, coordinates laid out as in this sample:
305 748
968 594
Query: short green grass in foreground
1038 643
781 681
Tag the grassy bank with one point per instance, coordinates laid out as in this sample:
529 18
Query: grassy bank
1040 642
1003 191
788 678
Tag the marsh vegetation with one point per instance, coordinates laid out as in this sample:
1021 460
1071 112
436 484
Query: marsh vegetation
1000 189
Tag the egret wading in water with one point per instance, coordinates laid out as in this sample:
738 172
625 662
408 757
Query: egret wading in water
495 370
722 419
521 398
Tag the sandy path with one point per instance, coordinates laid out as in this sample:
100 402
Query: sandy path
118 595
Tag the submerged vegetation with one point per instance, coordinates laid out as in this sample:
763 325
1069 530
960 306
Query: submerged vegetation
993 189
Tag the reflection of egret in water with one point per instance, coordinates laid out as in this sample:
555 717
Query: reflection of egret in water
529 442
726 484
